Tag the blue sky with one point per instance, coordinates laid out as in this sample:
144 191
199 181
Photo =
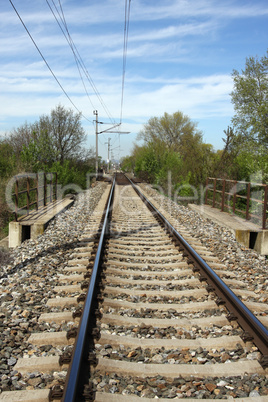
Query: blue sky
180 57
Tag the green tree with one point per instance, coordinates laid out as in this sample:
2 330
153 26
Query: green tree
146 163
174 130
127 164
177 133
251 161
19 138
250 99
170 166
7 169
40 153
53 138
7 159
224 164
67 132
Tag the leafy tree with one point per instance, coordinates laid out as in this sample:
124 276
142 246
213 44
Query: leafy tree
170 164
250 99
7 169
250 161
20 137
240 159
127 163
224 159
204 165
177 134
67 133
57 137
67 174
7 159
154 163
174 130
146 164
39 154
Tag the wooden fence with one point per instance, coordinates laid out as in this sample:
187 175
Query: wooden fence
245 199
33 190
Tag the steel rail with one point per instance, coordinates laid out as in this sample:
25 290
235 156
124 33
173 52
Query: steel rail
74 375
246 319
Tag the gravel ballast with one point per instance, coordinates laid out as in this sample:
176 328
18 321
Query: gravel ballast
26 285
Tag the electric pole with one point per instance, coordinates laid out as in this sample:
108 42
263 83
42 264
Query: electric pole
108 131
95 112
108 161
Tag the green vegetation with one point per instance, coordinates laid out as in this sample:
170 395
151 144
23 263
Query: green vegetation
174 151
54 143
250 99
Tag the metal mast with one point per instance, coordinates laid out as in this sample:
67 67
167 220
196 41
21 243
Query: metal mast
95 112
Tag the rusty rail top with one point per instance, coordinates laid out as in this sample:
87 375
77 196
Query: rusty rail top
238 197
42 192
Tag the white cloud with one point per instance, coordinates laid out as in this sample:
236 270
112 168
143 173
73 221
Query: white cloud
174 31
203 8
180 56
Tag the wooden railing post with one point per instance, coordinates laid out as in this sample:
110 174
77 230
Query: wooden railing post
264 207
248 201
45 189
206 197
16 198
56 186
223 195
51 187
28 194
37 192
42 191
214 193
234 196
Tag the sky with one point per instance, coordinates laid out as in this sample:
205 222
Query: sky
180 57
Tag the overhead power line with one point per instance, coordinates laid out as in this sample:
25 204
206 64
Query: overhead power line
126 29
69 41
50 69
78 59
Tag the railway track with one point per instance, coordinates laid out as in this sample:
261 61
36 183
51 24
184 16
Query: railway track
158 323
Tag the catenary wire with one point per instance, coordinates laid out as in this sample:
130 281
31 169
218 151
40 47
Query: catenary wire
39 51
126 30
71 45
80 61
78 58
90 78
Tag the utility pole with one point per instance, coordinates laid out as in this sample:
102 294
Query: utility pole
109 130
95 112
109 147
